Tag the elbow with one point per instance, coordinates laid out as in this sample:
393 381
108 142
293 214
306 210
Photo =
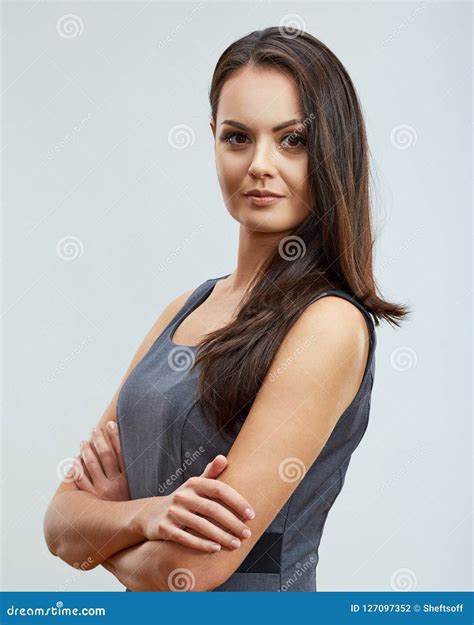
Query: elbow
62 544
196 574
50 534
185 579
72 556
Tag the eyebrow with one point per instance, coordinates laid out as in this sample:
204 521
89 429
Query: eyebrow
290 122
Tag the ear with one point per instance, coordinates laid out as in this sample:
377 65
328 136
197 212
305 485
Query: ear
213 127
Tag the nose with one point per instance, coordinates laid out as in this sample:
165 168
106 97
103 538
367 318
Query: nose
262 163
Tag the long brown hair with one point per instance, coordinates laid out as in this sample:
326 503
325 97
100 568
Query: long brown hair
330 249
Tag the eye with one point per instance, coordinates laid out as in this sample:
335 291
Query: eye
231 135
294 141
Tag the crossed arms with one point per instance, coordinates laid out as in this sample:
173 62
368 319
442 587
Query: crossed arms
303 395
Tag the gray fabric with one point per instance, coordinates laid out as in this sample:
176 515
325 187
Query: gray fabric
166 440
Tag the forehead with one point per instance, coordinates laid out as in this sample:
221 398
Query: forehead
258 97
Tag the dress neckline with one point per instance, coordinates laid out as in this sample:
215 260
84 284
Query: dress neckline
174 326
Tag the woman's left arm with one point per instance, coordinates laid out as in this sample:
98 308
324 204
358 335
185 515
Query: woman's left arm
135 566
313 378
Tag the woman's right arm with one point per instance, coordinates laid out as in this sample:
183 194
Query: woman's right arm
84 530
81 528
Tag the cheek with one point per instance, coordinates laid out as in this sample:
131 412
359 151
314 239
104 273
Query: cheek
230 170
297 171
298 182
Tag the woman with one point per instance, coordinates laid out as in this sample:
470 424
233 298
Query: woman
253 389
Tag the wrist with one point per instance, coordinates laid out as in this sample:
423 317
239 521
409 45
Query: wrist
140 513
135 526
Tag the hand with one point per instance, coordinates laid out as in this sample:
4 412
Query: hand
100 469
168 516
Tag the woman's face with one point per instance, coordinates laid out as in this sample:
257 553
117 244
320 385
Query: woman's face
254 151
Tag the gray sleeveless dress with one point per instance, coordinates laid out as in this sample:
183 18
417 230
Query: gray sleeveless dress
166 440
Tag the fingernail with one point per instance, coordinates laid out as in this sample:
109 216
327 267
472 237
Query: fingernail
235 543
94 430
83 443
246 533
249 513
215 547
111 425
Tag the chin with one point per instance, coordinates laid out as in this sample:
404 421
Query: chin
257 220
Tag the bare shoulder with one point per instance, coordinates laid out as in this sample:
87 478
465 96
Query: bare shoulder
337 319
337 330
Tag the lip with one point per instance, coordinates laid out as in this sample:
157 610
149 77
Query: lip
264 200
262 193
262 197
